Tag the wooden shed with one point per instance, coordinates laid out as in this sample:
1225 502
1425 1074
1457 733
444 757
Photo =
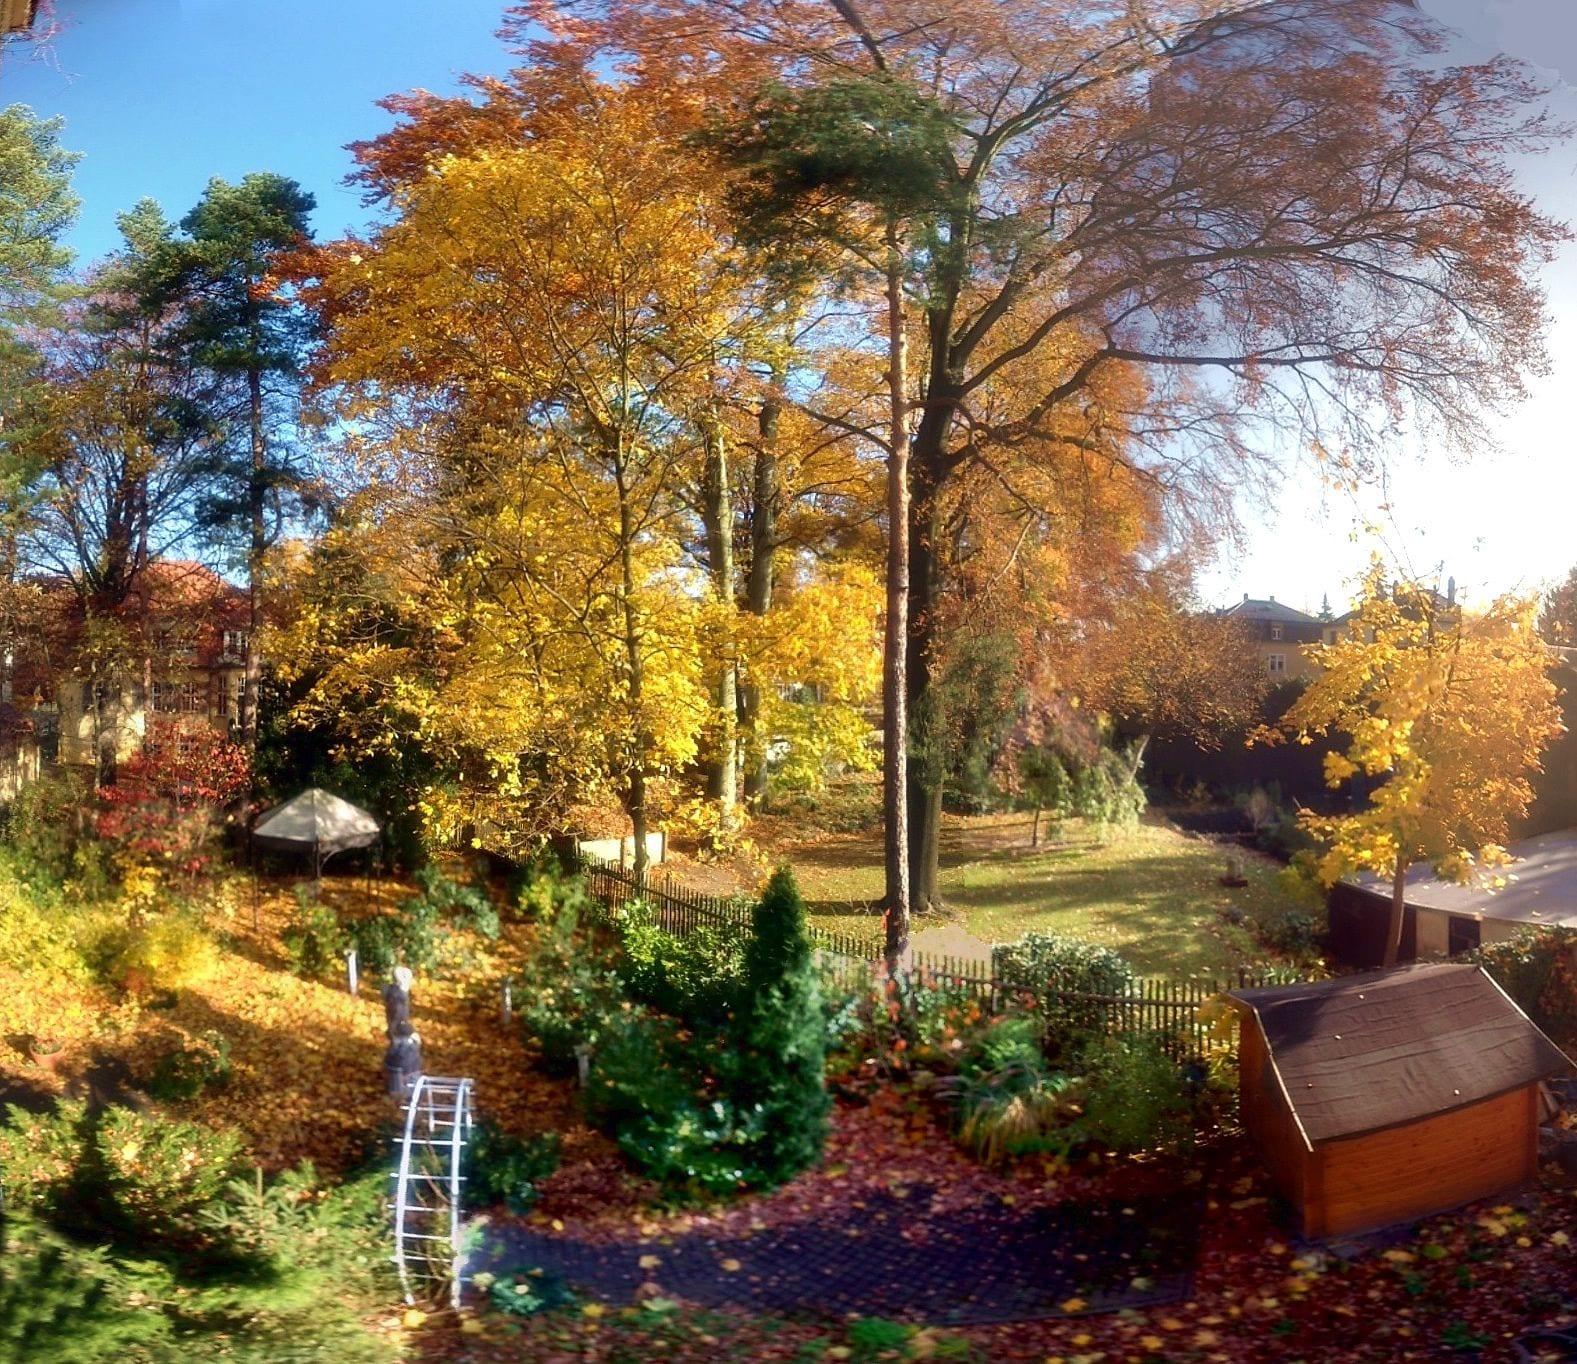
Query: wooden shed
1388 1096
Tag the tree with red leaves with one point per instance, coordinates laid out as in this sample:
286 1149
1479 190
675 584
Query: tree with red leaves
166 802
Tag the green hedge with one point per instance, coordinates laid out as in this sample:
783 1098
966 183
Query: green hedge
1045 963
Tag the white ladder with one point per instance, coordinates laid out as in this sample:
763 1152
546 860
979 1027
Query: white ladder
428 1222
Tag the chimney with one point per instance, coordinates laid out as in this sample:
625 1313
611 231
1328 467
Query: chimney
1273 598
1451 591
1245 596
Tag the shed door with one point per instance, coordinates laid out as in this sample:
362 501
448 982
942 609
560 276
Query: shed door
1462 934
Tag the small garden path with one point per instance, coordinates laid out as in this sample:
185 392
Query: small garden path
890 1258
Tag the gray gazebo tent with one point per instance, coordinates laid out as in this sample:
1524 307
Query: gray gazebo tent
318 823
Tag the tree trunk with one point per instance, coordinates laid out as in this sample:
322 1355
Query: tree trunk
926 775
1393 929
635 800
764 493
722 780
256 500
895 727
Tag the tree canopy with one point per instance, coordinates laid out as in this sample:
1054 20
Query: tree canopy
1445 713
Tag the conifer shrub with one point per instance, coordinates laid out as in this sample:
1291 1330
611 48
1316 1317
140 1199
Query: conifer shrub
740 1102
780 1062
65 1303
158 1174
40 1155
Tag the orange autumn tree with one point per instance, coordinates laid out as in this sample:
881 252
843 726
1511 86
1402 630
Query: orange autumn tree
1444 713
1289 215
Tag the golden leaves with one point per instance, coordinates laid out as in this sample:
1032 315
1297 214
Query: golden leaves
1447 709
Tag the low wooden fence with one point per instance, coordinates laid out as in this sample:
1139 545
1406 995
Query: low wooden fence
1167 1009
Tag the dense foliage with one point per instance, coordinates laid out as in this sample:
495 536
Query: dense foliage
698 976
129 1232
1538 969
723 1091
504 1168
1070 965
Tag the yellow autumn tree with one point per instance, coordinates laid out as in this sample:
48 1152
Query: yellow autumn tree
545 315
551 363
1444 713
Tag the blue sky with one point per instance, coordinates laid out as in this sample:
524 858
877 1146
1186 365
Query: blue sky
163 94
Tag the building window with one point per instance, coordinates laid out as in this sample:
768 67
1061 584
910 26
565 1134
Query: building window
1278 664
180 698
235 643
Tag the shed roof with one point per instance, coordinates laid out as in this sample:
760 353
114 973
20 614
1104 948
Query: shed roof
315 820
1366 1052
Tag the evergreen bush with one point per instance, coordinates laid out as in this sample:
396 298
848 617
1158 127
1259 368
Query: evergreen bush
566 995
1051 967
191 1068
698 976
505 1168
314 939
744 1105
1134 1095
779 1069
124 1240
40 1156
158 1174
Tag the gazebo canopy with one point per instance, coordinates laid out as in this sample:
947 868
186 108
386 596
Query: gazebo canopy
316 822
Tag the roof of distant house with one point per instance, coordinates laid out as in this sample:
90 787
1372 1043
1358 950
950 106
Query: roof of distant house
1540 885
1250 608
1366 1052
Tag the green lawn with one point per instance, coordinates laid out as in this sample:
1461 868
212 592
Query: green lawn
1152 893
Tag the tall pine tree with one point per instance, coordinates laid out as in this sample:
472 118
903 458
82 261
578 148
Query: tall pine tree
253 339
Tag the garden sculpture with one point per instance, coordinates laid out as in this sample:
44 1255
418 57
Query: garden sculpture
397 1000
402 1063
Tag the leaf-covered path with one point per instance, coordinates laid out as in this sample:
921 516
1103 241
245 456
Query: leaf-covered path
886 1257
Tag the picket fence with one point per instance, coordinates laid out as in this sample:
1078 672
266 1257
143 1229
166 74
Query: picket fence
1168 1010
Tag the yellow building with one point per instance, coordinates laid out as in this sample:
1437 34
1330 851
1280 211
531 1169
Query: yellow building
183 661
1280 635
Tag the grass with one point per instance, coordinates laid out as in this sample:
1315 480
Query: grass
1153 893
